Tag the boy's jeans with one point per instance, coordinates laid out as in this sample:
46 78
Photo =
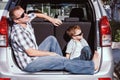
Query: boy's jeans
58 62
86 54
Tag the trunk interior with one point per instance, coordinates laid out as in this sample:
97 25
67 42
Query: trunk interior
43 29
77 13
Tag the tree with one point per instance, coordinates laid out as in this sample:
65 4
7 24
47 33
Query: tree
113 4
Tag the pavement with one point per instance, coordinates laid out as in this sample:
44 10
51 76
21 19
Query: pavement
116 58
116 55
116 51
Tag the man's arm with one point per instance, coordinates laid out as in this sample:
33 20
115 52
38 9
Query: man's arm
34 52
24 41
55 22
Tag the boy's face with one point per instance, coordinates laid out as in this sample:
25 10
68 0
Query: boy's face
78 35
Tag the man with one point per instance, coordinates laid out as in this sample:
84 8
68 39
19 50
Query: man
46 56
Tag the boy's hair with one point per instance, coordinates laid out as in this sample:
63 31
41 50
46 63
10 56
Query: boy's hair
11 13
71 30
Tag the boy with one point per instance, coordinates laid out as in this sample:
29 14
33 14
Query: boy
77 47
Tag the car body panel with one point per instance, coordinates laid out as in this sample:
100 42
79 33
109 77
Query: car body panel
9 68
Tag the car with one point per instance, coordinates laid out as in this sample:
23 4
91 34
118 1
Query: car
89 14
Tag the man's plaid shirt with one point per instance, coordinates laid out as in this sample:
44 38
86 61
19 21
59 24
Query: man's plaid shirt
21 40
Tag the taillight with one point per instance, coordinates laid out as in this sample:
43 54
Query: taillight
3 32
104 79
105 32
5 79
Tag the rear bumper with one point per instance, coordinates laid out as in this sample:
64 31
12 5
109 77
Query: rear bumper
9 69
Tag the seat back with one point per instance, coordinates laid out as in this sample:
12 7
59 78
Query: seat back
42 30
62 37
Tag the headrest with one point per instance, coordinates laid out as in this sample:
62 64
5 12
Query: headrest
72 19
77 12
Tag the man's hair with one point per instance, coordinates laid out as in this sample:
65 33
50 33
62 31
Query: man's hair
11 13
72 29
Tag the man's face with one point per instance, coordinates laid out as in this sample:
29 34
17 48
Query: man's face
21 16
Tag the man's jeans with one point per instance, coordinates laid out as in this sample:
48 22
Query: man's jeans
58 62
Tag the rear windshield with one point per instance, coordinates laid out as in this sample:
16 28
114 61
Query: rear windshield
3 4
62 10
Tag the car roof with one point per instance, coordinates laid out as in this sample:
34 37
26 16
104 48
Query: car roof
55 1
